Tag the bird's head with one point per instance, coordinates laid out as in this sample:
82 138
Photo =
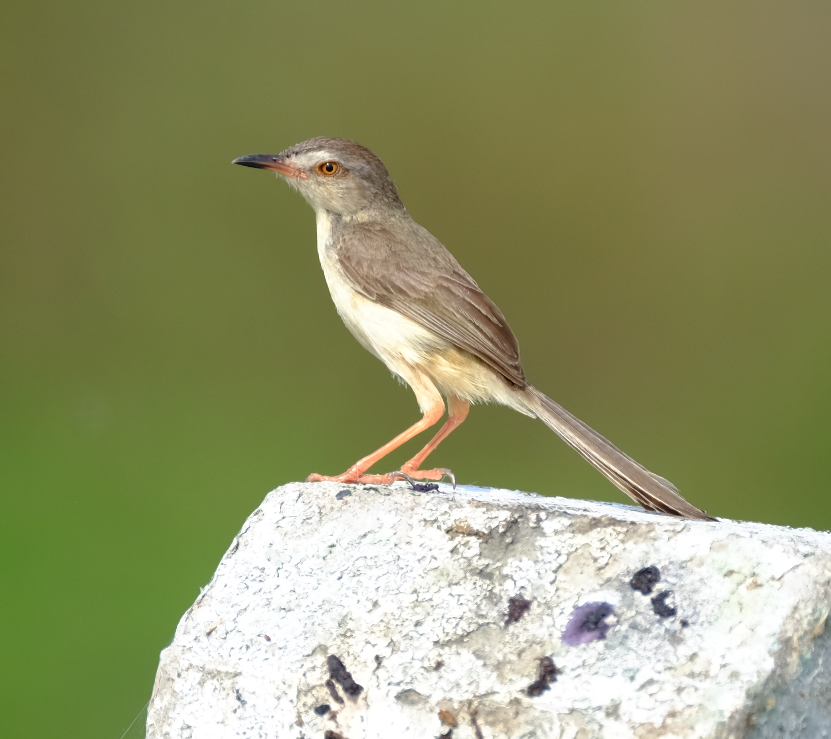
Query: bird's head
334 175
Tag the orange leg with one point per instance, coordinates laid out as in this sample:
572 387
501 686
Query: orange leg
432 407
457 410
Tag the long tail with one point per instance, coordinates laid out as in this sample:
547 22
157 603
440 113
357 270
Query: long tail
653 492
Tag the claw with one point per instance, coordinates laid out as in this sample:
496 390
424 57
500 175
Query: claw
409 479
429 475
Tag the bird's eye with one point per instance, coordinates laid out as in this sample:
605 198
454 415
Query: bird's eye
328 168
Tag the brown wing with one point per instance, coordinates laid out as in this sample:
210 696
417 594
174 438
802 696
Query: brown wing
405 268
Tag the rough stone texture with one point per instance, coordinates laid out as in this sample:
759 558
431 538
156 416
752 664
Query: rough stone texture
421 598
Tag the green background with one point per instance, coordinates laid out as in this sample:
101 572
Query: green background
644 188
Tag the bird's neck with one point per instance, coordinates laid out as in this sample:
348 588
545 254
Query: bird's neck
327 224
330 225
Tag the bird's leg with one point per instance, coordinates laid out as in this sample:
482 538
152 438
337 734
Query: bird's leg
457 410
433 408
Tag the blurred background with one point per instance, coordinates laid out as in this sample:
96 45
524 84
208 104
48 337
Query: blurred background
644 188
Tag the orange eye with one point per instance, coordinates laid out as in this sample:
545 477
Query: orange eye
328 168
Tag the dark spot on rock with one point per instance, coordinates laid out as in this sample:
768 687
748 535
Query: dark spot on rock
439 664
463 527
425 487
239 697
343 494
684 623
593 621
342 676
474 712
333 691
329 734
378 659
322 709
447 718
517 608
659 605
644 580
266 637
548 674
587 624
410 697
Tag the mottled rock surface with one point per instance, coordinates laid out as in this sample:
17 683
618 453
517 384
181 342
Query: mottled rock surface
378 612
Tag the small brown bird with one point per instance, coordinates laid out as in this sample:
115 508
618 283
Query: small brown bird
407 300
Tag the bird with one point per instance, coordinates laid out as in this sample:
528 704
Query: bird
407 300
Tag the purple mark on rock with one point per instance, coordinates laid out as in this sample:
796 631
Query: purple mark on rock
587 624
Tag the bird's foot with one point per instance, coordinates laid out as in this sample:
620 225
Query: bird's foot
437 474
354 476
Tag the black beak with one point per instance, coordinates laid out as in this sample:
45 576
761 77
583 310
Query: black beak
273 162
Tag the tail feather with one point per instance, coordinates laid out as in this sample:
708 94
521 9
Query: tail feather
650 490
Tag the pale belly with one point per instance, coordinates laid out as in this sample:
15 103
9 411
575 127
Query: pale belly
388 335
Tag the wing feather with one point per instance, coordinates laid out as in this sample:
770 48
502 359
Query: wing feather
408 270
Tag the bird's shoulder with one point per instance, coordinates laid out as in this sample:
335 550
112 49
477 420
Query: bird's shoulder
398 254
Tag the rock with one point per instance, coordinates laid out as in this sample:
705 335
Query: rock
382 612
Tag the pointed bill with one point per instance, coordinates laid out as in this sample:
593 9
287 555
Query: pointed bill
274 162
